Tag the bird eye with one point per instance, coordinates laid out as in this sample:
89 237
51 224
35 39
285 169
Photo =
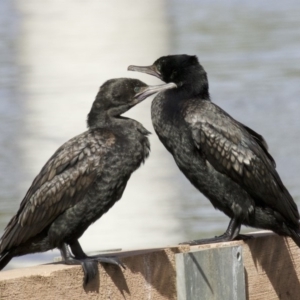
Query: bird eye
137 89
159 65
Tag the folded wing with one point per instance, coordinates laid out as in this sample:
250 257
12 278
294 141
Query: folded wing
241 154
61 184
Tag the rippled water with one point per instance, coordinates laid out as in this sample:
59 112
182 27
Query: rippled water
54 56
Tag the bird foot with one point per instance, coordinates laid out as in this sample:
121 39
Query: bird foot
90 265
244 237
113 260
217 239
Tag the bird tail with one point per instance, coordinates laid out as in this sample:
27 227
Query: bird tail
295 235
5 259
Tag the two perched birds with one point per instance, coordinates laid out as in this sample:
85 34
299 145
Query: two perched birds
225 160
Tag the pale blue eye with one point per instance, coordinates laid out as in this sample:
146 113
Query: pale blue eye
137 89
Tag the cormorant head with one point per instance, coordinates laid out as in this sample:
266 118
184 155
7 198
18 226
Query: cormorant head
184 70
116 96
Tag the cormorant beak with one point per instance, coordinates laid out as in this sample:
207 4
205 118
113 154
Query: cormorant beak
147 91
151 70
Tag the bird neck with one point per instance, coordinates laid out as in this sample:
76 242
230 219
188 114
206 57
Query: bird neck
102 118
103 113
97 118
195 84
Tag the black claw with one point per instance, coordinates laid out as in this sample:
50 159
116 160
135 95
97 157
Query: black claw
90 270
231 233
217 239
89 263
114 260
244 237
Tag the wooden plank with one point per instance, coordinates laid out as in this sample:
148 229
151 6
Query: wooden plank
211 274
149 274
271 264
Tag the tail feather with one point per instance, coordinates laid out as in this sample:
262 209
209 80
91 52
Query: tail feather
296 237
5 259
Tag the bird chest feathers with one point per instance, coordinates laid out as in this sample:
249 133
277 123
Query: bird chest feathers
133 148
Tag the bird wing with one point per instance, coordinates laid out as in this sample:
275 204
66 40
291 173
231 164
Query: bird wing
241 154
61 184
261 142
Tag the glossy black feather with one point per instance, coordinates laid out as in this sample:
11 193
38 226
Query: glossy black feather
224 159
234 151
83 178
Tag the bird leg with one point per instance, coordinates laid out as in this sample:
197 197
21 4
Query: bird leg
90 267
79 254
231 233
88 263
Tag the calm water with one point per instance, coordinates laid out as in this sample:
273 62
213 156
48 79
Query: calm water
55 55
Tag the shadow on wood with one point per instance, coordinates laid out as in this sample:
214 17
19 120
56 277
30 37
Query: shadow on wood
274 256
117 276
158 271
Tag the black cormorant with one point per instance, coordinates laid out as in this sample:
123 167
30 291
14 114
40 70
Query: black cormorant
83 179
225 160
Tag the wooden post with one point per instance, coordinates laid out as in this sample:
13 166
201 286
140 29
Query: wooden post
211 274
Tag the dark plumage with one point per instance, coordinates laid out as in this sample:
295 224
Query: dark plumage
83 179
224 159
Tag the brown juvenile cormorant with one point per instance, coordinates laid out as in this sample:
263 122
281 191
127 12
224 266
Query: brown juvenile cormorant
83 179
225 160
